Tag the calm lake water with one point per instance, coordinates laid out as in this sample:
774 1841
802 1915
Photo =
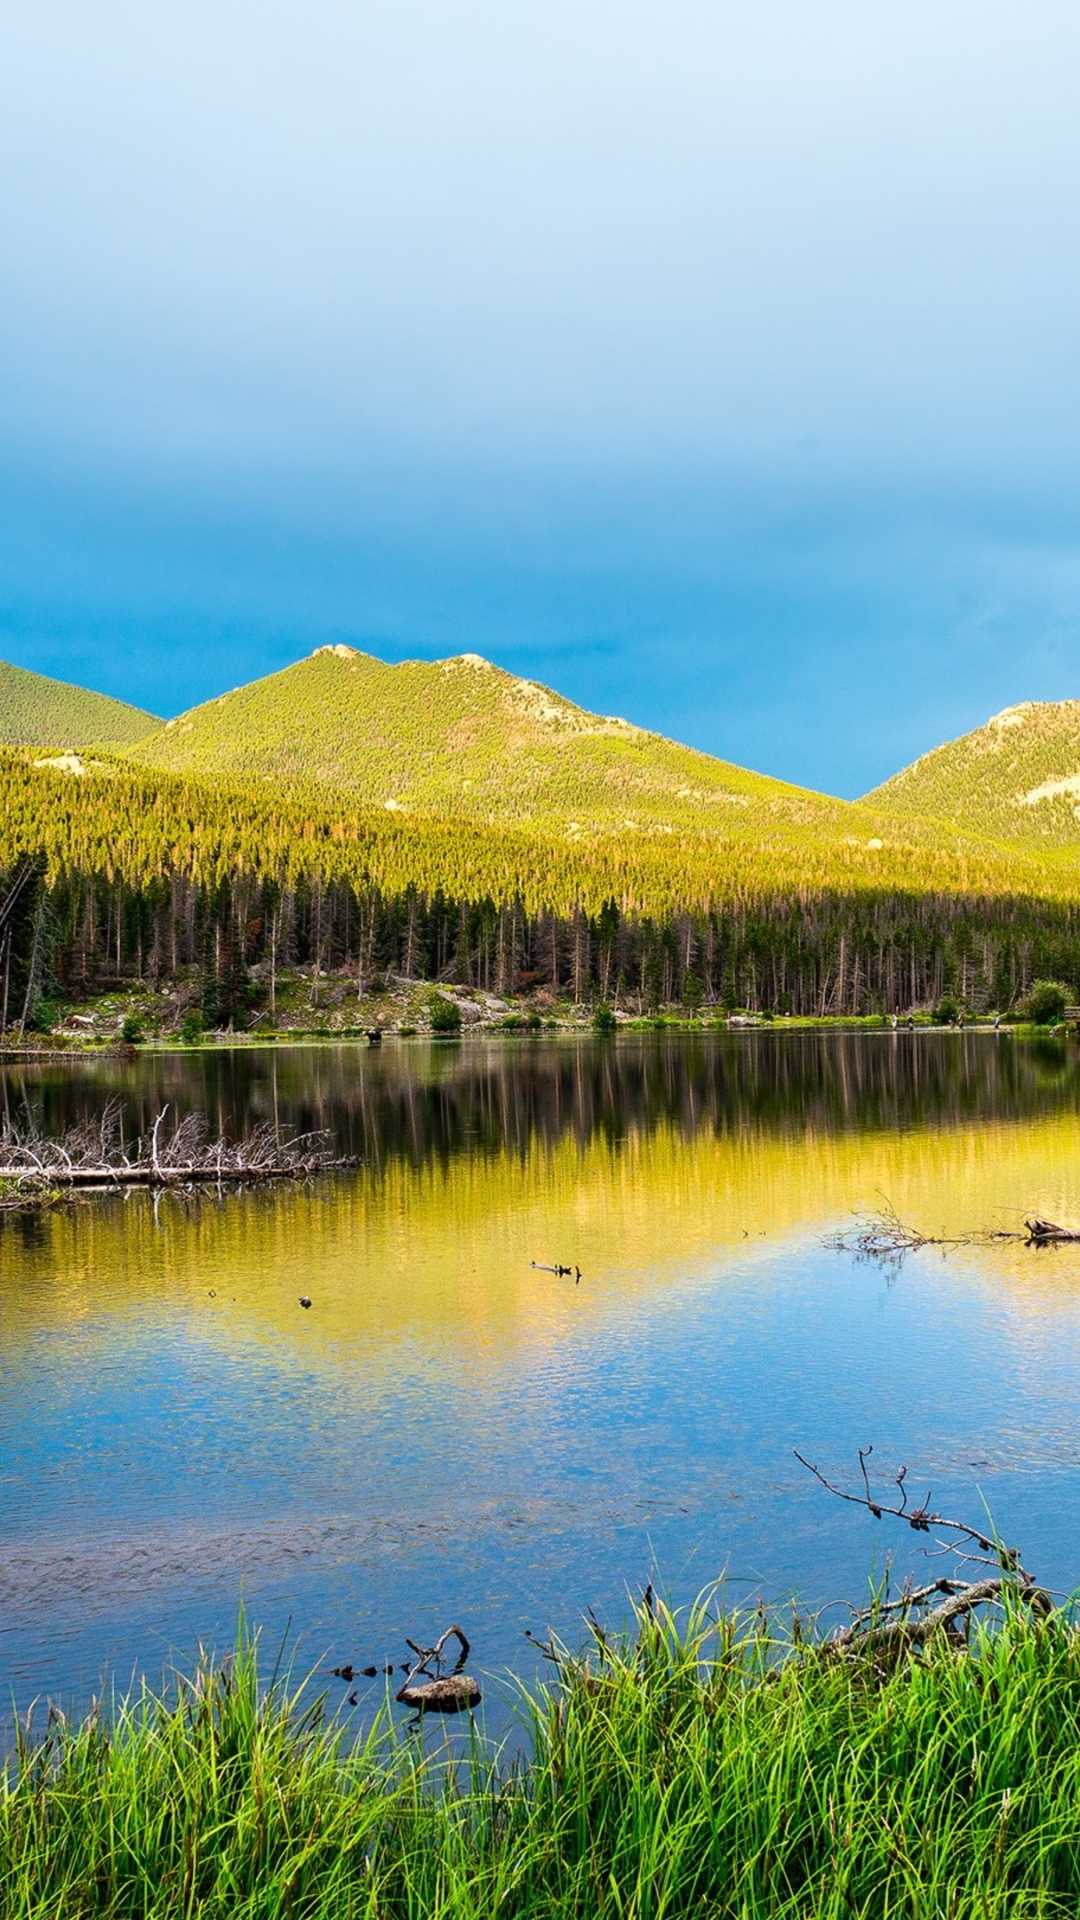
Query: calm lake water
449 1434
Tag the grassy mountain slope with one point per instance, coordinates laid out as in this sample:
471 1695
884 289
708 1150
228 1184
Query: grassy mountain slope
462 744
461 738
38 712
1016 778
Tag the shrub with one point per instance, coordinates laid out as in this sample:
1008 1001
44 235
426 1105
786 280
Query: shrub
603 1019
533 1022
444 1015
1045 1003
693 993
191 1028
132 1030
947 1010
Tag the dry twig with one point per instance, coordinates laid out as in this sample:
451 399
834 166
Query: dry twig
915 1618
884 1236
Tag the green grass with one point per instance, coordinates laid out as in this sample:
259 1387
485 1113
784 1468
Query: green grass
38 712
702 1771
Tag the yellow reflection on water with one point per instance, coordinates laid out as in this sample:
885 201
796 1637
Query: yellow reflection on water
441 1253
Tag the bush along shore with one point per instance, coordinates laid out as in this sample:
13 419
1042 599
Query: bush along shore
923 1760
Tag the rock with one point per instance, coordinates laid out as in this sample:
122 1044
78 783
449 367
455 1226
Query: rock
452 1694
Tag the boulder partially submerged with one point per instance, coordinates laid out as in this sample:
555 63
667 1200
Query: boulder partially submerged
454 1692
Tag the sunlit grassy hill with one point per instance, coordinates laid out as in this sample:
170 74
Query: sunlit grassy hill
1016 778
448 820
38 712
462 739
510 777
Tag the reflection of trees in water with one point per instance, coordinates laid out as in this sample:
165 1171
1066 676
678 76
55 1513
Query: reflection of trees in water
431 1104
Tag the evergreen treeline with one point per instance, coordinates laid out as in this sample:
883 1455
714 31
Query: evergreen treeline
833 954
122 876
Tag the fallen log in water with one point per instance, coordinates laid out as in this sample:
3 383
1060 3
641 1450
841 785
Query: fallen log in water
439 1692
942 1606
96 1155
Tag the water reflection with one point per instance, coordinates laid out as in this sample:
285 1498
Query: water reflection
427 1103
450 1434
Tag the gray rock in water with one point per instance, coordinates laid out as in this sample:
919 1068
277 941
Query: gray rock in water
452 1694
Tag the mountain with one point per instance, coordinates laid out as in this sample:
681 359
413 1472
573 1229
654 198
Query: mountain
463 742
461 738
38 712
1017 778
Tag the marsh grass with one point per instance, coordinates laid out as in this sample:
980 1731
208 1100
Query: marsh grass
694 1769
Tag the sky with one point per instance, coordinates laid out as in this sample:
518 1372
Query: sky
717 364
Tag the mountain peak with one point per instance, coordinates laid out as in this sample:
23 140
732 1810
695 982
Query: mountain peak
461 738
1017 776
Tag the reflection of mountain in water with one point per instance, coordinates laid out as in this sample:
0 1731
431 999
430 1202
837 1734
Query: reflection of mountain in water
429 1104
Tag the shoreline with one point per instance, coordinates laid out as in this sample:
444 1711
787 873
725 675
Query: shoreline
359 1037
712 1765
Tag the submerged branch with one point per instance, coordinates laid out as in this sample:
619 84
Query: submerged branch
911 1619
884 1236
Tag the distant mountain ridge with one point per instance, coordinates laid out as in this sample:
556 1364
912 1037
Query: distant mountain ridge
1017 778
462 738
36 711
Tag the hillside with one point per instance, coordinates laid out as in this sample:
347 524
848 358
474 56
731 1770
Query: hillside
1017 778
448 821
141 824
149 872
466 745
461 738
38 712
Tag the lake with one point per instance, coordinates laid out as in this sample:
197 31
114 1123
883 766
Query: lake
451 1435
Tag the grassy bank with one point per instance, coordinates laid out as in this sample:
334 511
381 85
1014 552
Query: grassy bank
702 1772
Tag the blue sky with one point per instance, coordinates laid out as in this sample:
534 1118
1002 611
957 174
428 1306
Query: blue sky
718 364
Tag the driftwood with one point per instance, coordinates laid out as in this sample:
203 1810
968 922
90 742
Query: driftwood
439 1693
884 1236
945 1605
1043 1233
95 1155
